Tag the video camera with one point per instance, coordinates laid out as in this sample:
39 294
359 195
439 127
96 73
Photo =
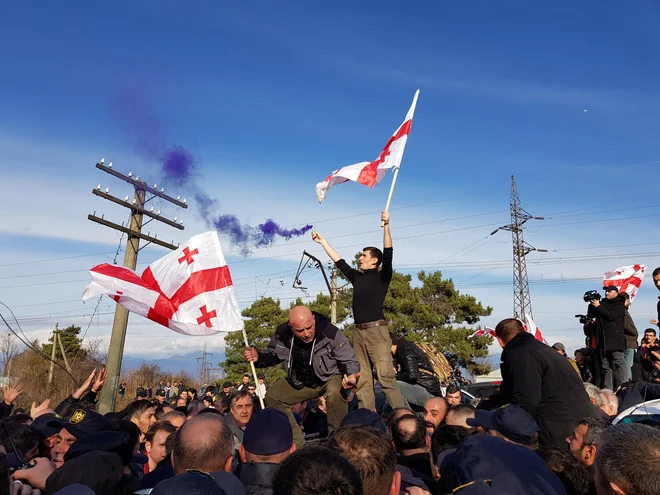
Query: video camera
584 319
591 295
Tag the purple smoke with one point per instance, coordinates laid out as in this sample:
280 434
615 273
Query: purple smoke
178 166
268 230
136 115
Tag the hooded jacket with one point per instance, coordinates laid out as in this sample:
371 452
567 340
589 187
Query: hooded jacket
331 353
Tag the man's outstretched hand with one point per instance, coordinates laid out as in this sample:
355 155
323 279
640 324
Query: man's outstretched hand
251 354
350 381
11 392
316 237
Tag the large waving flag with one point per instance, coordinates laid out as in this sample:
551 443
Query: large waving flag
189 290
370 173
626 279
533 329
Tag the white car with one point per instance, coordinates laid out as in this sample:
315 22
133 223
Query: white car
645 411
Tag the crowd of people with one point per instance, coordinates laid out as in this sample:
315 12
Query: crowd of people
547 430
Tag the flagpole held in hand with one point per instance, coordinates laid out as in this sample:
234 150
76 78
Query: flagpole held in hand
389 197
254 371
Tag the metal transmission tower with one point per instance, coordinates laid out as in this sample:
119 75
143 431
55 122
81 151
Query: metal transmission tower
205 366
522 303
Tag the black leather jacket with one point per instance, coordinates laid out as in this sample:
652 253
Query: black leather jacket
415 368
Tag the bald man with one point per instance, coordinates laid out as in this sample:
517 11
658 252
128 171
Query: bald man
319 362
203 443
435 411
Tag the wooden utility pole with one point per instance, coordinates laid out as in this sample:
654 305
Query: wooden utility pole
66 361
52 358
134 231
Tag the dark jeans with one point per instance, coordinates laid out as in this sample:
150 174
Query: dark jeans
613 369
282 396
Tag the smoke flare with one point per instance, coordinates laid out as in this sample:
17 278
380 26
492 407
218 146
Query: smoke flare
178 166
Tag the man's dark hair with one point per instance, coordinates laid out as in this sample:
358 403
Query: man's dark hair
209 410
136 409
650 330
375 253
624 295
205 452
194 407
508 328
246 376
452 389
241 394
629 455
656 272
156 427
133 433
447 437
573 474
595 429
160 410
391 417
404 437
210 388
371 452
174 414
316 470
25 438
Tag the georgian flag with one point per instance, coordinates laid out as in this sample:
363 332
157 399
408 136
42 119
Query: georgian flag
532 328
626 279
370 173
484 331
189 290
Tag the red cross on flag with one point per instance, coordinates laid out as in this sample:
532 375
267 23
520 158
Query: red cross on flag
189 290
484 331
626 279
370 173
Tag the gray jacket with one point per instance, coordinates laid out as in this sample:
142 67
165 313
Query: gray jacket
331 352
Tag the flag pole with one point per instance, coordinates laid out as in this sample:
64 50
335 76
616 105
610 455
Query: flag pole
389 197
254 371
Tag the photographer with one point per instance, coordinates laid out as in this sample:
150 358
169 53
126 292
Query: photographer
610 337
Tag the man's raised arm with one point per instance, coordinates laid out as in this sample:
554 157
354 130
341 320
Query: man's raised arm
334 255
387 237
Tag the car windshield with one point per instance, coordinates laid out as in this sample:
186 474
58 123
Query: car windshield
636 418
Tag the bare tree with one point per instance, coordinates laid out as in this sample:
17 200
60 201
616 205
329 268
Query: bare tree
8 350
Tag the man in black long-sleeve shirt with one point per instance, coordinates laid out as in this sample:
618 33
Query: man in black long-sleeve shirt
371 338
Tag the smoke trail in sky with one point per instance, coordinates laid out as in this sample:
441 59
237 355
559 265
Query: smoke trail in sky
178 166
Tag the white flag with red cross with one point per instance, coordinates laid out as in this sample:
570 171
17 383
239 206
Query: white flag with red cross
533 329
484 331
626 279
371 173
189 290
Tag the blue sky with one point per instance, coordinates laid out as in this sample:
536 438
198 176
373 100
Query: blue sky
272 96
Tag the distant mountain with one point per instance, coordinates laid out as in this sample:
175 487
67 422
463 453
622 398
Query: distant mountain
186 362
